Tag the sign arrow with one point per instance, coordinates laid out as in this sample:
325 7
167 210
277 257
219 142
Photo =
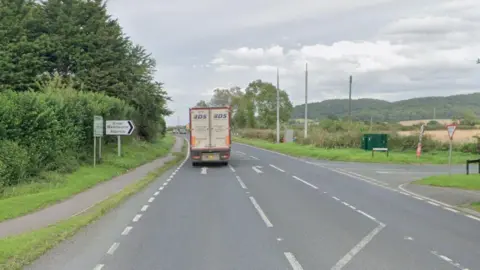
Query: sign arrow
204 170
256 169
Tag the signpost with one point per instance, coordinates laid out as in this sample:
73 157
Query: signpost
97 133
451 130
119 128
419 147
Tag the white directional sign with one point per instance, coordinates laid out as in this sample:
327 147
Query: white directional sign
97 126
451 130
119 127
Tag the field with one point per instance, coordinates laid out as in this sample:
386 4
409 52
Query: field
460 136
425 121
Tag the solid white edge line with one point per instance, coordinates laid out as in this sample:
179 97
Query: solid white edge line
357 248
231 168
305 182
450 209
432 203
151 199
99 267
127 230
137 218
112 248
293 261
275 167
260 211
474 217
335 198
144 208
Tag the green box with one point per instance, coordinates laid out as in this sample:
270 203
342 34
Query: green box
370 141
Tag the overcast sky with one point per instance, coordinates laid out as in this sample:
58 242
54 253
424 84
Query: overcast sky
395 49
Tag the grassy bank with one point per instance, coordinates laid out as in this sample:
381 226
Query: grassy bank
463 181
53 187
358 155
21 250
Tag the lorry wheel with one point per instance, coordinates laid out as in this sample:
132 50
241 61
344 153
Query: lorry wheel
194 164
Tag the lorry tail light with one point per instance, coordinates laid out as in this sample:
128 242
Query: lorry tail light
196 157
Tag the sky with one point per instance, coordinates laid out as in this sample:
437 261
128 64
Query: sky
394 49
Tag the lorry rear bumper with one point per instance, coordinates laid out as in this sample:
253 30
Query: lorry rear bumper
197 156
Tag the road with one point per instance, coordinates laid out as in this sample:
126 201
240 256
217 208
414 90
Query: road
270 211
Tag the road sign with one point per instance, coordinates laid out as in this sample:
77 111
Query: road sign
97 126
451 130
119 127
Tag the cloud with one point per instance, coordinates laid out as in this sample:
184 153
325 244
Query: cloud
393 49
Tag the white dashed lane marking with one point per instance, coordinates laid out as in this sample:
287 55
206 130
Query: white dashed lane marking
151 199
261 213
112 248
156 193
98 267
305 182
276 168
127 230
144 208
293 261
137 218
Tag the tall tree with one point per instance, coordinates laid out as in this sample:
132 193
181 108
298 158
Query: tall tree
201 104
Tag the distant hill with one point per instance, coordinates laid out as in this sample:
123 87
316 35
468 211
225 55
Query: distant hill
381 110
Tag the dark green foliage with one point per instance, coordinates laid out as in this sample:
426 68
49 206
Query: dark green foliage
457 106
61 63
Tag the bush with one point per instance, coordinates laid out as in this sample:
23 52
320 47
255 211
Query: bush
50 130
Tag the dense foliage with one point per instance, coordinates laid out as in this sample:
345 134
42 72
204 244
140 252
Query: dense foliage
61 62
457 106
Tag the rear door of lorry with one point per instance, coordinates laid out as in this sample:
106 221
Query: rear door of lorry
220 128
199 128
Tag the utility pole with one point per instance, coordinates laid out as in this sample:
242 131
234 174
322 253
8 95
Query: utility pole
306 100
434 114
278 107
350 100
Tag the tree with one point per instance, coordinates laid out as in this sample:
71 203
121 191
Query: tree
264 97
202 104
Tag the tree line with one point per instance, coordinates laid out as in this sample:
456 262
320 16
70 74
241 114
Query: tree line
61 63
252 107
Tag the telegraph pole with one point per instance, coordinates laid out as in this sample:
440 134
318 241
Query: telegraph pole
350 100
278 107
306 100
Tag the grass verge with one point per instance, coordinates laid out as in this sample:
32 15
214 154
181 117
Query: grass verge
21 250
463 181
54 187
358 155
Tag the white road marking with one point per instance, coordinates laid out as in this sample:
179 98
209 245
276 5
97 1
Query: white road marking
345 203
353 207
231 168
174 173
160 188
474 217
241 182
450 209
254 157
112 248
260 211
257 170
275 167
305 182
137 218
404 193
325 192
279 239
408 238
98 267
156 193
241 153
337 199
418 198
166 183
169 179
413 194
448 260
151 199
293 261
432 203
144 208
204 170
367 215
357 248
127 230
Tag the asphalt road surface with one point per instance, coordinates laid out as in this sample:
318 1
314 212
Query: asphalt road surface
270 211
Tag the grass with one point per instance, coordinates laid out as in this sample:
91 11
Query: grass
21 250
20 200
358 155
463 181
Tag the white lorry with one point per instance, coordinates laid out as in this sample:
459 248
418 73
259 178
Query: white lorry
210 133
